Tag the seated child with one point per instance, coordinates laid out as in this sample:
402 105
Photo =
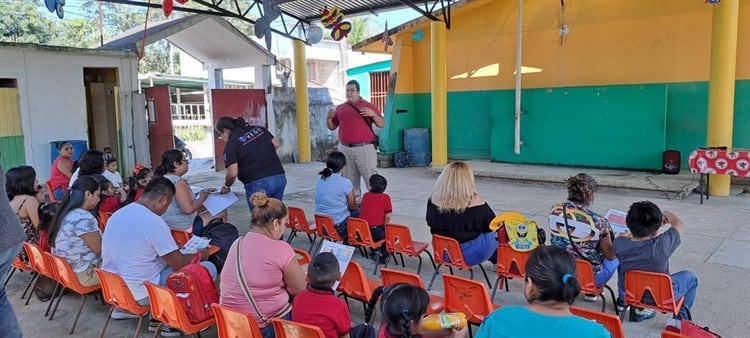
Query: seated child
111 173
376 210
141 176
47 212
647 250
317 305
111 198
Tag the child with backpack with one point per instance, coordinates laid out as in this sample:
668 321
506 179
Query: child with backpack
376 209
322 274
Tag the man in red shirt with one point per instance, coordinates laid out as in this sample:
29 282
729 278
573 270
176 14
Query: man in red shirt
318 305
354 118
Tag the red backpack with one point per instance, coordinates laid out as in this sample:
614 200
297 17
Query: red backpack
195 289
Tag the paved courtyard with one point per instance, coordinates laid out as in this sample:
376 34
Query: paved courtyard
714 245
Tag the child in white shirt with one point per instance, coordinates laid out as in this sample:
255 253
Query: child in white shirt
111 173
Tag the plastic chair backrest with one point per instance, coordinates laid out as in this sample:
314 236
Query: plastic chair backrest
611 322
446 245
103 218
231 323
180 236
511 263
358 227
289 329
390 276
467 296
165 307
658 285
325 222
672 334
50 193
36 259
398 239
585 275
63 271
302 256
354 282
117 293
298 220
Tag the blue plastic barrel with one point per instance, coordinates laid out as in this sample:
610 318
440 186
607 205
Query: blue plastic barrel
79 147
417 146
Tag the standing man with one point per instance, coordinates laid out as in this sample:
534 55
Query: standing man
356 138
11 237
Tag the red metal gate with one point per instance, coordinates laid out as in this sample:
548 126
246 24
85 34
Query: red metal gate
250 104
160 134
379 89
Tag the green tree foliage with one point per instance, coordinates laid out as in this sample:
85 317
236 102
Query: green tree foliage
21 21
360 30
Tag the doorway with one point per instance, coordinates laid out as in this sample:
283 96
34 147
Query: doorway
102 110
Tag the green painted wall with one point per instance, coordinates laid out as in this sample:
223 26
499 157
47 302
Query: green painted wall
11 151
626 126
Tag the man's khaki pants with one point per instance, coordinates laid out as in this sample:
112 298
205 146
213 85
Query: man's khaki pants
361 162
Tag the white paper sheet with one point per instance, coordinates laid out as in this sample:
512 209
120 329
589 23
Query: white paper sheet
217 202
194 245
342 252
616 219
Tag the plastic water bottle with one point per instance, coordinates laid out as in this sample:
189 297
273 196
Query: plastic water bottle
442 321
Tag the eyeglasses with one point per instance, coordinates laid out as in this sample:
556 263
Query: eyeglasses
67 148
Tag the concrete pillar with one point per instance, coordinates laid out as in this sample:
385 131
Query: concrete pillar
302 103
721 84
439 89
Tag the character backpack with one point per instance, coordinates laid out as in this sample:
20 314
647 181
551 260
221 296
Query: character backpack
195 289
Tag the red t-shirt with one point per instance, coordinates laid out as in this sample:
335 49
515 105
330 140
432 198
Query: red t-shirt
138 194
56 178
321 308
109 204
353 128
374 207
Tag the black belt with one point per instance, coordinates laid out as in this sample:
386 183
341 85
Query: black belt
353 145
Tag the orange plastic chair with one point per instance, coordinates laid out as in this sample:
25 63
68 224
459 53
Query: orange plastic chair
510 264
298 223
68 279
671 334
289 329
360 236
325 228
467 296
390 276
50 193
446 246
116 293
398 241
658 285
302 256
585 275
231 323
19 265
103 218
354 284
166 308
41 267
611 322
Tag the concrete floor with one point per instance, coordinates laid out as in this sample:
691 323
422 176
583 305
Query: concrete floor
713 246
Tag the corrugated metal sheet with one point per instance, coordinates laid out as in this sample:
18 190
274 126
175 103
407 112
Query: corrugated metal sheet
10 114
309 10
11 151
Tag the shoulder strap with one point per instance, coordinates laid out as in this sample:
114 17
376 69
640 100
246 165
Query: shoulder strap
243 282
21 206
570 238
368 121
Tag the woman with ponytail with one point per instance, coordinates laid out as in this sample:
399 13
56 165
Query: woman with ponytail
74 233
250 155
550 287
334 194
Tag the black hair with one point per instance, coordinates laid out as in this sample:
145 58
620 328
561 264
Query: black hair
401 305
72 200
353 83
334 163
378 183
62 144
47 212
103 181
20 181
168 159
110 161
226 122
91 162
553 271
581 189
323 271
138 174
643 219
159 186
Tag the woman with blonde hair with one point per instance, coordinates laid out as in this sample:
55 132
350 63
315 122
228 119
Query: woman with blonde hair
456 210
261 267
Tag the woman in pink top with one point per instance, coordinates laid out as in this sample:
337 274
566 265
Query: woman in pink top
61 171
269 266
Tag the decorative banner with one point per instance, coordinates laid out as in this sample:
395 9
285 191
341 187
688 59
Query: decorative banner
167 6
333 19
387 41
418 35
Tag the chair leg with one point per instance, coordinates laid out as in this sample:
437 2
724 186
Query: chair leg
387 261
614 300
10 274
451 269
158 329
291 236
309 238
138 327
624 311
28 285
429 254
33 286
604 302
690 315
487 278
402 259
106 322
434 275
80 308
52 315
497 286
52 300
312 245
419 266
471 273
377 263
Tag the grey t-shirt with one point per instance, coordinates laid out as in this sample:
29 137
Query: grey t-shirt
651 255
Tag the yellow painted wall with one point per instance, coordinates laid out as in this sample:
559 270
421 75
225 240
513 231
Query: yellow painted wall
9 112
610 42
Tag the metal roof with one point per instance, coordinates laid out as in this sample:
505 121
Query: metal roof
310 10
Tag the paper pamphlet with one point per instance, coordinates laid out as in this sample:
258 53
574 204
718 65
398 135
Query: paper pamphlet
217 202
616 219
194 245
342 252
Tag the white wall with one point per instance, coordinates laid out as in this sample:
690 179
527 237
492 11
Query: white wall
53 97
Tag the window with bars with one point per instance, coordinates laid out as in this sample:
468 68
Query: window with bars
379 89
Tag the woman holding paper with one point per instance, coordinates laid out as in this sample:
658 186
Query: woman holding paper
582 232
185 213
